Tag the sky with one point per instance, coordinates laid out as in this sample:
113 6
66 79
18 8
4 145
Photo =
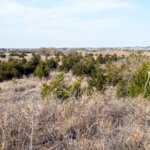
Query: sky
74 23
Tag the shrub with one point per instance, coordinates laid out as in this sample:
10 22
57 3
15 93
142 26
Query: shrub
41 70
100 59
69 61
50 63
10 69
16 68
13 54
31 65
2 55
107 58
76 88
56 88
19 54
113 74
22 54
98 80
85 67
122 89
138 84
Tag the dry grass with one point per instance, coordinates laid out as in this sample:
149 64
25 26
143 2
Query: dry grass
91 123
94 122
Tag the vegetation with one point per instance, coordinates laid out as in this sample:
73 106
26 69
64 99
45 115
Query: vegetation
107 58
74 114
122 89
41 70
19 54
138 84
69 61
101 71
16 68
98 80
2 55
56 88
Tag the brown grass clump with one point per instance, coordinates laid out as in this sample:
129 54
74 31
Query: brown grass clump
95 122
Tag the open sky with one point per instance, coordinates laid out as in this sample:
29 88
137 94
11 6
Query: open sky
74 23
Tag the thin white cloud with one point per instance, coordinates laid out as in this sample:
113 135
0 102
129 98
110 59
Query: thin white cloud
59 23
14 10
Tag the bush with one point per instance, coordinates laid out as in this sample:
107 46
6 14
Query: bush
50 63
122 89
11 69
113 74
31 65
56 88
69 61
19 54
16 68
41 70
107 58
13 54
137 86
76 88
85 67
98 80
2 55
100 59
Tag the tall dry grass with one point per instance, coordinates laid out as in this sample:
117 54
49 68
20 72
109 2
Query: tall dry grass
97 122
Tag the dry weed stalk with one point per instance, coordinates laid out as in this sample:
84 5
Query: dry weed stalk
92 122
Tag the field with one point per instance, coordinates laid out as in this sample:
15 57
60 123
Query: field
88 100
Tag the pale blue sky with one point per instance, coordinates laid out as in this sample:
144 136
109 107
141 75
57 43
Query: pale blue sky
74 23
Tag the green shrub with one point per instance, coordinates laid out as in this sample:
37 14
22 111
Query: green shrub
122 89
16 68
41 70
122 67
50 63
13 54
107 58
22 54
76 88
100 59
31 65
69 61
85 67
113 74
19 54
2 55
137 86
11 69
98 80
56 88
